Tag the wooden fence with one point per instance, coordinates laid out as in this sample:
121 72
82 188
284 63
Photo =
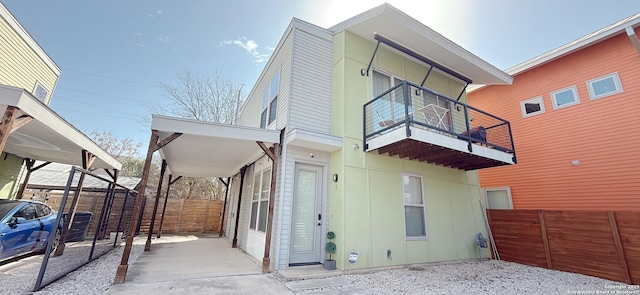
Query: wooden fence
184 216
596 243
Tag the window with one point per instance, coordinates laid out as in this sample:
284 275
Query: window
28 212
275 88
498 198
414 209
565 97
42 210
265 103
40 92
532 106
390 108
604 86
260 200
270 101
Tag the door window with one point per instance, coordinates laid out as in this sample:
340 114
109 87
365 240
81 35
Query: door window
27 212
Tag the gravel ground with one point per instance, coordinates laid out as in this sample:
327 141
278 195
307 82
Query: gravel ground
488 277
97 276
472 277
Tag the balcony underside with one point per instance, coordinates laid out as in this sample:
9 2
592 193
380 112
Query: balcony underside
431 147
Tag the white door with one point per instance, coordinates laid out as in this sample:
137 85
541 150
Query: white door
307 216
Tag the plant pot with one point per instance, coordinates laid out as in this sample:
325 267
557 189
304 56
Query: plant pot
330 264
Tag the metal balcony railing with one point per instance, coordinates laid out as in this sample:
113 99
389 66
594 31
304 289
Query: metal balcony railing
408 106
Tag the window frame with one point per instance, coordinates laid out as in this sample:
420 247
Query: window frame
502 188
35 88
423 206
576 96
539 99
261 200
616 81
268 116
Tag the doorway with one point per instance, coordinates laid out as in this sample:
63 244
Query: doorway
307 219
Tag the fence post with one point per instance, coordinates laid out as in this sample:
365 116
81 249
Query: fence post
545 239
180 216
619 249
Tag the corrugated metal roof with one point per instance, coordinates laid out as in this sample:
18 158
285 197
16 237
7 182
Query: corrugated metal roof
57 175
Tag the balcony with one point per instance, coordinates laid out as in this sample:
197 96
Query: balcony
414 122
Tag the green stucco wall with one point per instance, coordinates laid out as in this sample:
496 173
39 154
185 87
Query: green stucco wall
366 206
10 167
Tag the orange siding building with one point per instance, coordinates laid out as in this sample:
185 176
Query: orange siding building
582 156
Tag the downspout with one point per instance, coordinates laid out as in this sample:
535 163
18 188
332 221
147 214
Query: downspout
224 206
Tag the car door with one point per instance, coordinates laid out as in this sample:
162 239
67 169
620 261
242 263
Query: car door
20 237
46 220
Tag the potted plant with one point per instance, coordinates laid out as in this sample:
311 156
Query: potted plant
330 264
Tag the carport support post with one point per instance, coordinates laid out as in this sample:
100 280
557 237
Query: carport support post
164 207
6 125
224 206
275 156
121 273
235 231
29 163
147 246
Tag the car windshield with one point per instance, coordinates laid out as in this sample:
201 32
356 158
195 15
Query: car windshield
5 207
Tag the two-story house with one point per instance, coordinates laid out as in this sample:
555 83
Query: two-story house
572 111
372 138
29 129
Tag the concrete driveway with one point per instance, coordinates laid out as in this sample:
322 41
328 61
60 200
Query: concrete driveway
206 265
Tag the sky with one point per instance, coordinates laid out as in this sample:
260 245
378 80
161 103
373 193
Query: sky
114 53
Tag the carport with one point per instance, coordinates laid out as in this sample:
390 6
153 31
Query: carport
203 149
30 130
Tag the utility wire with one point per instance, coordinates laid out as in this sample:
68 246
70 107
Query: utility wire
96 114
108 77
96 93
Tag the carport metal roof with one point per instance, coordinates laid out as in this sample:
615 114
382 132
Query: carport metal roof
209 149
38 133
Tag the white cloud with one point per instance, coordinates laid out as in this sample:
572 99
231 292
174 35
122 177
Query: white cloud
251 47
164 39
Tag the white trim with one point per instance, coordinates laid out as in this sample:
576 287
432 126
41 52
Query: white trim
68 135
504 188
616 81
431 137
391 21
194 127
575 45
424 208
535 99
312 140
576 97
13 23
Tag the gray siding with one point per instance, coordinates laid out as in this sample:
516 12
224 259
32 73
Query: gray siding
311 83
281 60
245 209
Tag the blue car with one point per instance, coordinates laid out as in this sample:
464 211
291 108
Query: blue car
26 227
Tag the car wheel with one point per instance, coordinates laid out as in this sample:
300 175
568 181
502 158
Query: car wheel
56 241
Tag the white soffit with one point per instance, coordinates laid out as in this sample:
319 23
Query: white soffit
313 140
392 23
208 149
48 137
